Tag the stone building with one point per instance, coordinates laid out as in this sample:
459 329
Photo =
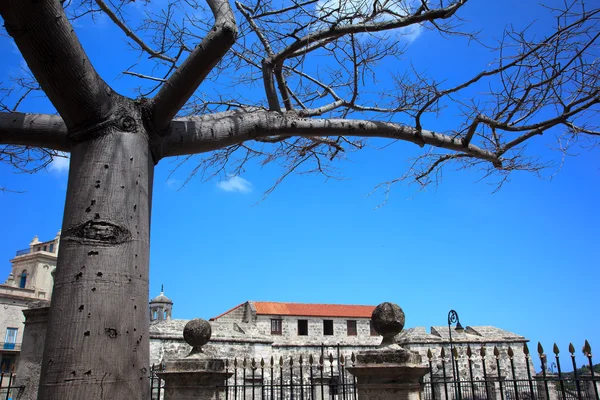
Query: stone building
473 337
264 329
249 330
29 281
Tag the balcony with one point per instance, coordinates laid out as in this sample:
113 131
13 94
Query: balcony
10 346
23 252
48 247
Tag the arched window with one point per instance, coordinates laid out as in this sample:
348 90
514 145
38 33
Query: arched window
23 279
154 315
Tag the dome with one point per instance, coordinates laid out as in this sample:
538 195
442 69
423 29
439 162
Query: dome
161 298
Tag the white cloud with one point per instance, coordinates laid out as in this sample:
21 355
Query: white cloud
356 10
410 33
59 164
235 184
174 184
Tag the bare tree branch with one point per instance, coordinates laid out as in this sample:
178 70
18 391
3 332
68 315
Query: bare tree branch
323 36
197 135
187 78
104 7
59 62
48 131
151 78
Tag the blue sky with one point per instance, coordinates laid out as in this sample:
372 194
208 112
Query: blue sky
524 259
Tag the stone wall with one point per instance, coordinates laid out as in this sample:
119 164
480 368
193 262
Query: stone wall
289 331
247 340
418 340
30 360
12 315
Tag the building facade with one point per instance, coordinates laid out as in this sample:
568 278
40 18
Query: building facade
251 330
261 330
30 280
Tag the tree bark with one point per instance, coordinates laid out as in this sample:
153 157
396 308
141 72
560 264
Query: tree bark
97 345
36 130
48 43
214 131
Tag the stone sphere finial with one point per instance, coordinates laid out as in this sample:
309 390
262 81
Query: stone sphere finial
388 320
197 333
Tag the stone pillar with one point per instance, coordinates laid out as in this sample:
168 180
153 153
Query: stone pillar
32 349
322 388
551 381
195 377
438 388
589 387
390 372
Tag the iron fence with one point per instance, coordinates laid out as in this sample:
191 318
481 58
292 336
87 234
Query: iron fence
482 376
303 378
157 385
309 377
506 383
23 252
7 389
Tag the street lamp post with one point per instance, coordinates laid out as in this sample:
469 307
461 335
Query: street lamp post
453 318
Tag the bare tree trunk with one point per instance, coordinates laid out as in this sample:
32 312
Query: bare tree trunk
97 344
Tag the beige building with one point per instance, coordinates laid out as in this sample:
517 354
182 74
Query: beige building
252 329
30 280
259 330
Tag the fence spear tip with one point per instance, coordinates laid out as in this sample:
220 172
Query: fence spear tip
587 349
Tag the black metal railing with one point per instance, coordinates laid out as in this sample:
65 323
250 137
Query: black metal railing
303 378
7 388
23 252
499 375
309 377
157 385
495 378
45 246
10 346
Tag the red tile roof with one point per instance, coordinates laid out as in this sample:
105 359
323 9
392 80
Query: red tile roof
306 310
313 310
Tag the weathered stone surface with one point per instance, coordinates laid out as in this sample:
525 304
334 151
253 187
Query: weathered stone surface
197 332
398 357
389 374
30 359
198 376
388 319
196 365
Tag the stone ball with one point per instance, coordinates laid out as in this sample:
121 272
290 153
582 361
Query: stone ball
388 319
197 332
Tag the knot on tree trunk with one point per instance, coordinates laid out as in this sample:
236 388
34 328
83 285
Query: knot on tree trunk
98 232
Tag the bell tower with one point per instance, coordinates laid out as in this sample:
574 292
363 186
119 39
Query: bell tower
160 307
